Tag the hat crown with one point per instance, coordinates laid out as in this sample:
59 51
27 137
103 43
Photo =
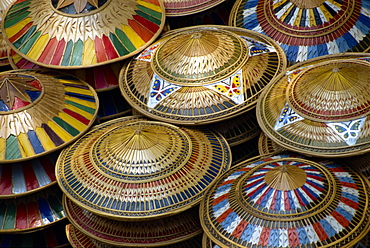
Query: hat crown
77 6
331 91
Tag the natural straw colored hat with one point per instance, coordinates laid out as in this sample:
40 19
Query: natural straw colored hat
287 201
319 108
201 75
307 28
78 34
141 170
42 111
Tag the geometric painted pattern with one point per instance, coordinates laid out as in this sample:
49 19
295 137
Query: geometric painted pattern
246 208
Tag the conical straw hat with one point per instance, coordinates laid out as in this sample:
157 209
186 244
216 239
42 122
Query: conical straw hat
136 170
78 34
42 111
152 233
175 8
201 75
319 108
287 201
307 29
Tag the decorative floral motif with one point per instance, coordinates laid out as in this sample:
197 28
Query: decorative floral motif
159 90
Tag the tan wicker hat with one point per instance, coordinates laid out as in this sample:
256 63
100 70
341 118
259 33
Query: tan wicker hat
201 74
319 108
307 29
42 111
78 34
141 170
164 231
79 239
287 201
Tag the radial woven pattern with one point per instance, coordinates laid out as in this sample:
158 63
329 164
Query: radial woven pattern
164 231
287 201
142 169
307 29
78 34
42 111
266 145
31 212
3 51
217 74
322 117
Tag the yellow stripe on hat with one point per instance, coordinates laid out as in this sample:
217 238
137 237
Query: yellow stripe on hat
133 36
25 145
44 138
13 30
89 55
64 135
38 47
72 121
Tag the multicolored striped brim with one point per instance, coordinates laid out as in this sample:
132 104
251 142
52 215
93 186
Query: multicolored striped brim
42 111
101 78
287 200
130 170
307 29
31 212
23 178
52 34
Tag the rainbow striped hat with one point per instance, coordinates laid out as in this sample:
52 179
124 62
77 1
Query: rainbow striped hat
79 34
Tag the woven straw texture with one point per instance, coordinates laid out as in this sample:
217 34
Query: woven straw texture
48 32
322 117
266 145
218 74
307 29
240 129
31 212
77 239
287 201
159 232
176 8
42 111
141 170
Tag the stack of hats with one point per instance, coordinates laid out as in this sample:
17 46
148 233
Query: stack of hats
134 182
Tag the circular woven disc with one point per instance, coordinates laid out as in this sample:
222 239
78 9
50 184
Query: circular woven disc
338 128
79 34
287 201
307 28
42 111
206 81
161 232
142 169
32 212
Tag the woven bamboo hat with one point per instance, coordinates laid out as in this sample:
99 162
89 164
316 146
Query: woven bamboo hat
77 33
164 231
287 201
319 109
175 8
129 169
32 212
42 111
201 74
78 239
266 145
307 28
